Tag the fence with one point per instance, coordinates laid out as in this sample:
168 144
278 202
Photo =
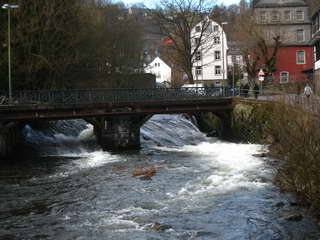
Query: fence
113 95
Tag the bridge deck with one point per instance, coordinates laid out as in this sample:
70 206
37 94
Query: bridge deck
74 111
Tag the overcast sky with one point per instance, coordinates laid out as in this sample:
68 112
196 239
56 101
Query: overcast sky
149 2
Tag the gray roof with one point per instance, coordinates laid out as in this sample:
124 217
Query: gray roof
279 3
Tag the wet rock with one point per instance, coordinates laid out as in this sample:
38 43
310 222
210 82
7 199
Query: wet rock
213 133
279 205
159 227
262 155
146 178
293 218
294 204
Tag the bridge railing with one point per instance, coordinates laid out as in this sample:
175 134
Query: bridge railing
81 96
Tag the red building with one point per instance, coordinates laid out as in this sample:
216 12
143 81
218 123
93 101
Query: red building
290 20
293 64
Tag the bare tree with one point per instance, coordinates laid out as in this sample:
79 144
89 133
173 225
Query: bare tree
258 46
176 19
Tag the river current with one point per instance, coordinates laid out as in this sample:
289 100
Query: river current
203 188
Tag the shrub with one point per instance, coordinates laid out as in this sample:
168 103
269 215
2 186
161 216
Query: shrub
296 141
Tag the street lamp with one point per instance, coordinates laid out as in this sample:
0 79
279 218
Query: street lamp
8 7
223 68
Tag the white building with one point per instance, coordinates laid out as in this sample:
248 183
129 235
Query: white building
161 70
210 61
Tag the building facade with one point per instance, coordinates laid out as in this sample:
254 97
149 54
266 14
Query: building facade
210 60
290 20
161 70
236 65
315 41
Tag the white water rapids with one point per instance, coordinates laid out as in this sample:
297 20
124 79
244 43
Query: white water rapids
203 188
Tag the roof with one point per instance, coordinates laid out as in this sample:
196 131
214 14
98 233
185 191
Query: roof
279 3
158 59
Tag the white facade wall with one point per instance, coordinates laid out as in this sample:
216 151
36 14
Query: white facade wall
317 65
208 61
160 69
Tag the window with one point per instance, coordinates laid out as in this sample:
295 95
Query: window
217 70
215 28
263 16
300 57
300 35
216 40
198 28
217 55
284 77
287 15
315 24
208 26
157 64
198 55
198 70
234 59
300 15
317 51
197 41
274 16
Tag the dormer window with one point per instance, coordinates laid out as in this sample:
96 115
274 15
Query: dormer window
215 28
198 28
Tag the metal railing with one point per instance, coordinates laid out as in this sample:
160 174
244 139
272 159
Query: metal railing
82 96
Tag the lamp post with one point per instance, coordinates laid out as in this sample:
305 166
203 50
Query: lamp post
223 68
9 7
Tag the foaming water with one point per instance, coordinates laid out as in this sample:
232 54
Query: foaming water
203 189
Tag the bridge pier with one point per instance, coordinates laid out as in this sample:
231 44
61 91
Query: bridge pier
225 126
10 137
118 132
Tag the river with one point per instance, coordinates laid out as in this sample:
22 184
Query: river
203 188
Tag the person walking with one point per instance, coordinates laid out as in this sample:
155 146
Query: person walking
307 91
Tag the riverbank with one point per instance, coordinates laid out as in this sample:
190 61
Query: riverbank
292 135
296 142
